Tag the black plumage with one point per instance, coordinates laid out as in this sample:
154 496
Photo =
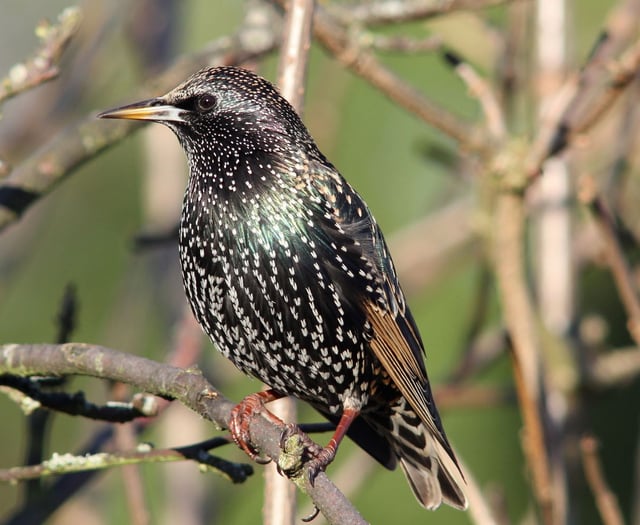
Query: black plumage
288 273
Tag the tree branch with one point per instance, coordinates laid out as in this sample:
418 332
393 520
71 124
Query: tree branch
189 387
519 316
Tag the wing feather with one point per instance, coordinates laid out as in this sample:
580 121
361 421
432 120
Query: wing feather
395 338
390 345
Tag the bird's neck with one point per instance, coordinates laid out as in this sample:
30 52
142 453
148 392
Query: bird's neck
231 195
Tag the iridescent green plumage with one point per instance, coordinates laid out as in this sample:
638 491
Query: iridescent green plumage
288 273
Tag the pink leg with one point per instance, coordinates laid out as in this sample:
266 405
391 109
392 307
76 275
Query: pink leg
327 454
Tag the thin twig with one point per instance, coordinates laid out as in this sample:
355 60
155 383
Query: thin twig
337 40
398 11
124 438
480 511
588 100
450 396
401 44
554 265
39 420
480 89
620 270
43 66
606 500
60 464
513 67
614 368
426 248
75 404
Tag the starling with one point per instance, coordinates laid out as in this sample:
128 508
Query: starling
288 273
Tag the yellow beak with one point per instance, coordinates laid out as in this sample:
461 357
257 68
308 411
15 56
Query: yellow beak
154 109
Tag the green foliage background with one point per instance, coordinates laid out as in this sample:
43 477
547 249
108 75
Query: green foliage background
82 233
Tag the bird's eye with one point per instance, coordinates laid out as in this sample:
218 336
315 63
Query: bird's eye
205 102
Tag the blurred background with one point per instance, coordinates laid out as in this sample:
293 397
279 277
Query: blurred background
426 194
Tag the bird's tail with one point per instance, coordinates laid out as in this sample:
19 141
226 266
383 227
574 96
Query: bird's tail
426 460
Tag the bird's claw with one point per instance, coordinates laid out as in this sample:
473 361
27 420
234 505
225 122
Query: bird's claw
291 429
314 458
319 463
239 422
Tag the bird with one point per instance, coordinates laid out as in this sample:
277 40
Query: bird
288 273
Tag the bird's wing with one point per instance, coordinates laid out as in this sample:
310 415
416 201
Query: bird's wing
395 339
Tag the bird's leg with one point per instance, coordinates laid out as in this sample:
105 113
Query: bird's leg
241 416
321 457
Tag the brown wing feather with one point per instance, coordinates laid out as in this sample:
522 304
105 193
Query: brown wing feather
390 346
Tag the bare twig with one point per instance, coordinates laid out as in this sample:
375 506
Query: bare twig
294 52
186 386
614 368
513 71
39 420
400 43
337 40
60 464
43 66
472 396
75 404
552 226
480 511
606 500
588 100
520 320
482 350
397 11
135 494
620 269
480 89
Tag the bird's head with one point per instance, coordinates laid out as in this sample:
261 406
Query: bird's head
225 105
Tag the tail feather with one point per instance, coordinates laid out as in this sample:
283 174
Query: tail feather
426 459
435 485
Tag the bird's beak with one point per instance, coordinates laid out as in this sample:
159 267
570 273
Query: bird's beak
154 109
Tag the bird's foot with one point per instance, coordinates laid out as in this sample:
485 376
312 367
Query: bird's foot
312 456
240 421
291 429
320 462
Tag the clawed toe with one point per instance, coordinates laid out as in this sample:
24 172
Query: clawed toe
319 463
312 457
240 420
